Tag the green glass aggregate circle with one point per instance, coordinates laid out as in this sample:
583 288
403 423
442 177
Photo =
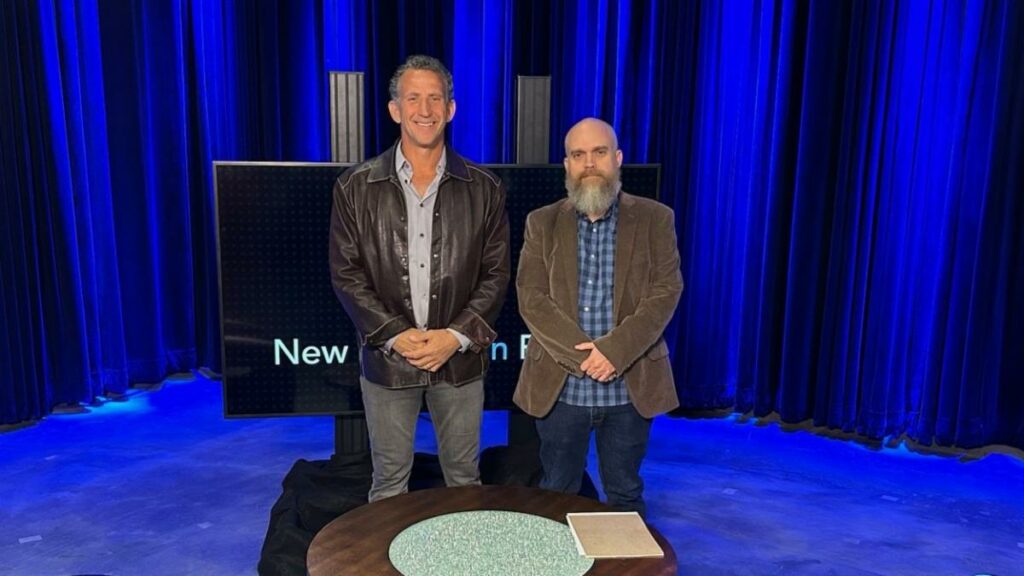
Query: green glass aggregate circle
486 542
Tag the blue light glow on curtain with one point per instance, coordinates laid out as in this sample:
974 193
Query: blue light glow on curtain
852 227
845 178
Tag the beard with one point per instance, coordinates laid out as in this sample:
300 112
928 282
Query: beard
594 192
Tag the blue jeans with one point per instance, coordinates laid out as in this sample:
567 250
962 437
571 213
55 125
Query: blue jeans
621 446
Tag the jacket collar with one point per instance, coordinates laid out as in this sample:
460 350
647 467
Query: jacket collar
383 167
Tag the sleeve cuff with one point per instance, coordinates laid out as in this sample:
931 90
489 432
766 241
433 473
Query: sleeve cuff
463 341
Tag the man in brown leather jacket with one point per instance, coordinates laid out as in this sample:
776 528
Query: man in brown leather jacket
419 259
598 281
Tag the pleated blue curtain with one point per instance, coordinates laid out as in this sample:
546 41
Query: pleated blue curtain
852 226
112 114
60 280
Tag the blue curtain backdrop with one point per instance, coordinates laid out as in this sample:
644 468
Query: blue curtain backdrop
845 176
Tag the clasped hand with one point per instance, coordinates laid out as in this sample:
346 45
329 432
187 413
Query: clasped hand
426 349
597 365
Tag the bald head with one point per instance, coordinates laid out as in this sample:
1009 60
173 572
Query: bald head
589 130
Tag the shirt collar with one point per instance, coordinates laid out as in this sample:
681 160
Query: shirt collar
403 165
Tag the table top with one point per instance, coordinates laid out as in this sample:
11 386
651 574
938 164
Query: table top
357 542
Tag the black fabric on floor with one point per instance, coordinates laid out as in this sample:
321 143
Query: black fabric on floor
314 493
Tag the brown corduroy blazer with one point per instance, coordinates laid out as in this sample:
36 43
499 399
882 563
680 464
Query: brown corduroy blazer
647 287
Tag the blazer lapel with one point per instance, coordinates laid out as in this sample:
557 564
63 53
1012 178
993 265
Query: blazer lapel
624 240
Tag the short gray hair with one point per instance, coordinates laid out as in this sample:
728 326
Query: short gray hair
421 62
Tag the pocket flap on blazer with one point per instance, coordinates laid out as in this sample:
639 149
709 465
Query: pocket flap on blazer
534 349
658 351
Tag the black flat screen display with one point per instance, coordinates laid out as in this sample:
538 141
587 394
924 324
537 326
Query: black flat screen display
288 347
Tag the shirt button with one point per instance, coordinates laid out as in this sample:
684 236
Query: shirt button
590 281
421 234
422 265
586 308
435 255
433 296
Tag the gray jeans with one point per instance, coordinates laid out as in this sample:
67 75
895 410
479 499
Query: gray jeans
391 417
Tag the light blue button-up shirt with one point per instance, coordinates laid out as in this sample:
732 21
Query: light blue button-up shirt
420 219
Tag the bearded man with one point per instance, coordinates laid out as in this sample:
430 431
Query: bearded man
598 282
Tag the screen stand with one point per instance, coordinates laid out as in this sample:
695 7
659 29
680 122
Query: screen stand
521 430
350 435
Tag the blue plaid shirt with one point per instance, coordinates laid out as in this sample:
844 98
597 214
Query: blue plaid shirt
595 255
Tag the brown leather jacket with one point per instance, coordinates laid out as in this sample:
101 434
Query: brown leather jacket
369 256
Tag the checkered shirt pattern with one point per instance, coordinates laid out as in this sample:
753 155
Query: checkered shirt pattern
595 255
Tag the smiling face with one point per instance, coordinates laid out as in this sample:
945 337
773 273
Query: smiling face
421 109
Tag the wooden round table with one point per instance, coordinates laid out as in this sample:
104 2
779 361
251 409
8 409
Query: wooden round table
357 542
